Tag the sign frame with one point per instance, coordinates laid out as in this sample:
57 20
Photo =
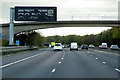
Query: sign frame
33 13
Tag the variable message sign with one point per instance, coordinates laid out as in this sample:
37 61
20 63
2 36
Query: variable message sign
35 13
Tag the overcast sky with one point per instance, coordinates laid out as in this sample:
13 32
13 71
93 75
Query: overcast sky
72 31
66 10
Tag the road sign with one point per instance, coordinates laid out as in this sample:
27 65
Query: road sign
35 13
17 42
52 44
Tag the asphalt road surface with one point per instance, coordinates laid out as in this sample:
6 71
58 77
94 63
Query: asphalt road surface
46 63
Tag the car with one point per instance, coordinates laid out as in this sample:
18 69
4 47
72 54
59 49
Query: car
114 47
104 46
66 46
63 46
100 46
74 46
91 46
58 46
84 47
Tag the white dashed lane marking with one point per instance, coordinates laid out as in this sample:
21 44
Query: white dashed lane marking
118 70
59 62
96 58
104 62
53 70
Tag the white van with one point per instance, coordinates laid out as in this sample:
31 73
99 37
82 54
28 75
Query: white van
104 46
73 46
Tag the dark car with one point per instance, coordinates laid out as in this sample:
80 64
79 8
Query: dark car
84 47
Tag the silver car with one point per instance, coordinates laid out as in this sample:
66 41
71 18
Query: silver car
114 47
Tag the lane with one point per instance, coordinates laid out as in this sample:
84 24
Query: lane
106 57
77 64
21 60
111 59
37 67
21 55
62 64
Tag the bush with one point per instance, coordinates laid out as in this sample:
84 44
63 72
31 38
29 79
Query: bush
4 42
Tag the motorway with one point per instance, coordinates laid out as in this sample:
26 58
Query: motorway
46 63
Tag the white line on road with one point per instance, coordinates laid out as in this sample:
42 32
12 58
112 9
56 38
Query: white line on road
117 69
9 64
53 70
96 58
103 62
59 62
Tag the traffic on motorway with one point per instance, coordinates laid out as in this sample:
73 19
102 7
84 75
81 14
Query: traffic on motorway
69 57
75 46
61 62
60 39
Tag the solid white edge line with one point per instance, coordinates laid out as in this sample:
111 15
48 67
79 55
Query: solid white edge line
53 70
6 65
117 69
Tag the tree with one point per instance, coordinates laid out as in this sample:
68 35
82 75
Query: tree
4 42
30 38
35 39
22 37
116 36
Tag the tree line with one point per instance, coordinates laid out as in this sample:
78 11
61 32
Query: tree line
32 38
110 36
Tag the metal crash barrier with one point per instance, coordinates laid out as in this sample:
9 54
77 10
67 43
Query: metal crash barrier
5 50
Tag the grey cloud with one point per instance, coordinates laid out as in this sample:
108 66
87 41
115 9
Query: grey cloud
64 9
